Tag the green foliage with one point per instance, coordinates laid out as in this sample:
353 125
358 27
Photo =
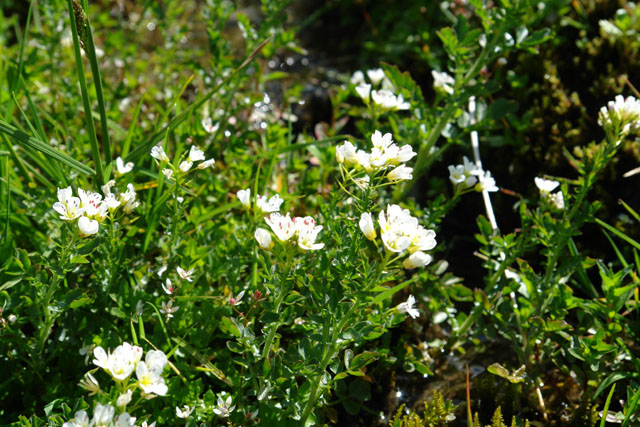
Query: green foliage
295 323
437 412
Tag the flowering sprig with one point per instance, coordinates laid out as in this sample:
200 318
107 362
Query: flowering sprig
620 116
400 234
386 160
264 205
90 209
469 177
185 162
383 98
546 186
285 228
127 359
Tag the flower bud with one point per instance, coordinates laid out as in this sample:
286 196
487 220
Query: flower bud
366 225
264 238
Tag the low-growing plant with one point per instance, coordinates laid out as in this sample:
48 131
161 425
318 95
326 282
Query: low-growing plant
261 270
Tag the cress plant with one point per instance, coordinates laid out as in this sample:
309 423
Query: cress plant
173 252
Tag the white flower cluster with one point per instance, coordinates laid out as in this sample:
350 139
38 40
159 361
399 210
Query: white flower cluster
622 114
103 416
546 186
469 175
400 233
285 228
384 98
91 209
263 204
126 359
384 155
195 154
443 82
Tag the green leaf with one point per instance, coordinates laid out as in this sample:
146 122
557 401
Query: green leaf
514 377
500 108
44 148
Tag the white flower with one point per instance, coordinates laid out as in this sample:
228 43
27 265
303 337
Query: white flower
264 238
149 371
207 164
416 260
121 363
90 384
557 200
386 100
168 287
162 270
283 226
103 415
399 155
470 168
363 182
224 407
128 198
486 183
443 81
185 274
357 78
407 307
245 197
422 239
168 309
106 189
158 153
111 202
125 420
12 318
364 92
400 173
456 174
380 141
122 167
184 412
346 153
81 419
401 232
67 206
185 166
195 154
366 226
375 76
124 399
271 205
168 173
307 238
622 113
144 424
87 226
546 186
92 204
101 357
208 125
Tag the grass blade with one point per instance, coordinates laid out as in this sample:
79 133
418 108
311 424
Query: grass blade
97 82
22 43
605 411
44 148
618 233
88 117
632 408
